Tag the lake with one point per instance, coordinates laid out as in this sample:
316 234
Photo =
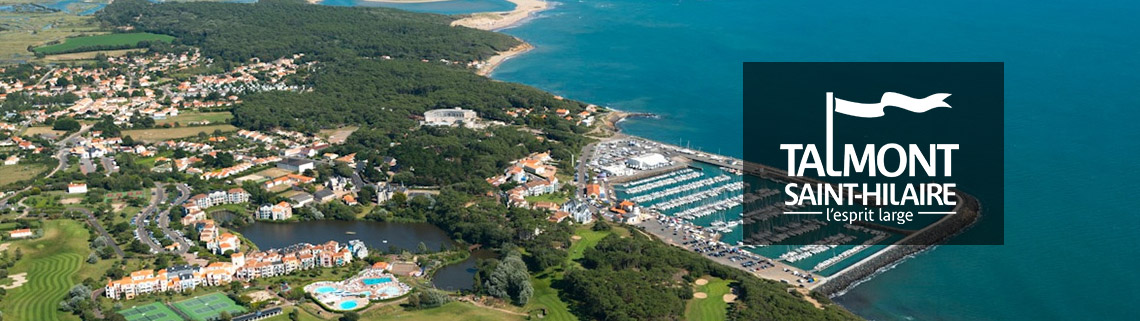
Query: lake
378 235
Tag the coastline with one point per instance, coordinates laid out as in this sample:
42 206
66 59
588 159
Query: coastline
489 66
502 19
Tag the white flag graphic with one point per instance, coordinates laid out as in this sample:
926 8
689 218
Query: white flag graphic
890 99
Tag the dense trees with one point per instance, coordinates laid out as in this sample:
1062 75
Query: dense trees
643 272
65 124
509 280
271 29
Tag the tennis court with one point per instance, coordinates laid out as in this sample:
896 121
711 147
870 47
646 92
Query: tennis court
151 312
209 306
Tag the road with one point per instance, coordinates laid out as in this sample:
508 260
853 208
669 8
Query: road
60 154
158 195
164 219
99 228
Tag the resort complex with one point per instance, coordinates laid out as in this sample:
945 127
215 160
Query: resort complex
242 266
372 284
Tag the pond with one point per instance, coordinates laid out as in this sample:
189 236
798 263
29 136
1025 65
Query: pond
460 276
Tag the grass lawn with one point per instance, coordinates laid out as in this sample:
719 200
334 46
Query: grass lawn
712 308
552 197
87 56
14 173
185 118
38 130
159 134
54 264
455 311
101 42
151 312
302 315
546 296
209 306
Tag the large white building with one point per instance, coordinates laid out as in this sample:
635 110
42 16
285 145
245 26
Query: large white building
448 117
647 161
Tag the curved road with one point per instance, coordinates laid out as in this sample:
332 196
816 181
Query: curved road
60 155
158 195
164 219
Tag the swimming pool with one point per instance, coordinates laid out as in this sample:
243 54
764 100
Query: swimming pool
346 305
371 281
325 289
390 291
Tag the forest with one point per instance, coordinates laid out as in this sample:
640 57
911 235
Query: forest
271 29
643 272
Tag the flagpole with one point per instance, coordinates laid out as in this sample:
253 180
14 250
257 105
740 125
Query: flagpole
830 140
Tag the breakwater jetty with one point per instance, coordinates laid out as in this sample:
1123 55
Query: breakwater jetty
968 212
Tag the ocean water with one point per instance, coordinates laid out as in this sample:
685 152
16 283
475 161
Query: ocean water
1071 74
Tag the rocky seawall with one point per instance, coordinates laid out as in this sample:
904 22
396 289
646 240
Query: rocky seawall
968 212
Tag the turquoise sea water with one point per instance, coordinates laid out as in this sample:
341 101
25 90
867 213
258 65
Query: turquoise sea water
1070 133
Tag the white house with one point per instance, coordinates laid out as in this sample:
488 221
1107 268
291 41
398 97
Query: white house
77 188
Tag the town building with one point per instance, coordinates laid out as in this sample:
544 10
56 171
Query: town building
77 188
298 165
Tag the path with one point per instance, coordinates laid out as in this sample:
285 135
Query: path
99 228
475 303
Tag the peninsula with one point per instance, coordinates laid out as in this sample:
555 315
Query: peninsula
524 9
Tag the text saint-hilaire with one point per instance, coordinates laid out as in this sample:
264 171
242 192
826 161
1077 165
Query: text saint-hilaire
911 160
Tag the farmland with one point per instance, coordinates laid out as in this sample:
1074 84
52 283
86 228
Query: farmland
18 31
159 134
186 118
101 42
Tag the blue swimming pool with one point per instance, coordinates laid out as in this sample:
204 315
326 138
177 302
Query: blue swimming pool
347 305
325 289
390 291
371 281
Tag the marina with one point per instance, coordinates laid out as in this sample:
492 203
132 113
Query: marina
707 203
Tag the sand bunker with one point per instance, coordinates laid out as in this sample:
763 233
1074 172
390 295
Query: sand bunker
18 279
729 298
702 282
575 237
700 295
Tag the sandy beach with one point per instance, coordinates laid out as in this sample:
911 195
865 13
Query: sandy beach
500 20
489 65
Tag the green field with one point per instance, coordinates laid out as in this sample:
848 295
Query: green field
151 312
188 117
209 306
547 297
53 265
160 134
712 308
552 197
101 42
301 315
454 311
14 173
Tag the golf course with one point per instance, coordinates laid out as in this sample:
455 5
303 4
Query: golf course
53 265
